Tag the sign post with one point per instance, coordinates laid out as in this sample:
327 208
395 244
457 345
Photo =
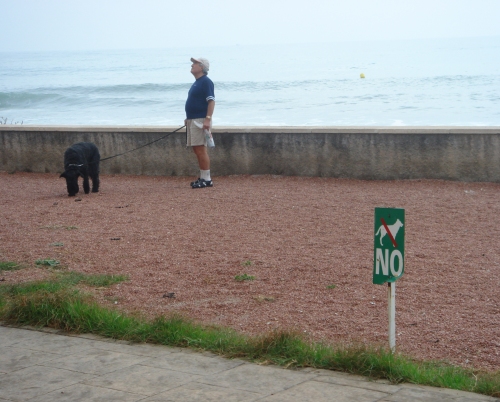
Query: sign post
388 262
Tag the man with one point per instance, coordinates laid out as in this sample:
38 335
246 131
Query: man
200 106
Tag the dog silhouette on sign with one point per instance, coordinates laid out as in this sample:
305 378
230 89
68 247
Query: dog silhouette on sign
394 229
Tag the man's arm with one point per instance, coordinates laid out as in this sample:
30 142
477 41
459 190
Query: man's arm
210 112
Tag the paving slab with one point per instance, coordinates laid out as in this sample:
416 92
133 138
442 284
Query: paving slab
334 377
82 392
194 363
10 336
15 358
96 361
54 344
419 395
198 392
143 349
323 392
30 382
423 391
139 349
143 380
261 379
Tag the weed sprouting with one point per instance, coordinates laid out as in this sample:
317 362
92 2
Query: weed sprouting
8 266
55 227
244 277
5 120
262 298
48 262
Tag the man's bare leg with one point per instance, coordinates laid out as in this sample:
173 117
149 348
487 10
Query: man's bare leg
204 164
202 155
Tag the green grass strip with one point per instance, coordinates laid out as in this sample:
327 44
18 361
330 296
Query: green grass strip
61 281
8 266
63 307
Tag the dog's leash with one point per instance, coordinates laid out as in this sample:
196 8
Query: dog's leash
142 146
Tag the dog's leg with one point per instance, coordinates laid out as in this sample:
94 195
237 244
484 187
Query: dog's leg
86 184
95 183
94 175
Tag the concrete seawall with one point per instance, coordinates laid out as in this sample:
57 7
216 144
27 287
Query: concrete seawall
372 153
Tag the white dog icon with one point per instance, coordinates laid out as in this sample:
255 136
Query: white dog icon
394 228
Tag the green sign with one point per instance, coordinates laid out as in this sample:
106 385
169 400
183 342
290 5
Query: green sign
389 245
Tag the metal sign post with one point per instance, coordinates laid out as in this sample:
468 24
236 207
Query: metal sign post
392 314
388 262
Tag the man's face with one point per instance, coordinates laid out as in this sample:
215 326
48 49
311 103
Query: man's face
196 68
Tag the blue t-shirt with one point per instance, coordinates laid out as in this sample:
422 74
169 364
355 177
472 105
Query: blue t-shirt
199 94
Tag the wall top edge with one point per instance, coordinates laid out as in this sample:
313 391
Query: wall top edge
267 129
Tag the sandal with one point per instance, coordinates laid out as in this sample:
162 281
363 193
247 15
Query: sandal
201 183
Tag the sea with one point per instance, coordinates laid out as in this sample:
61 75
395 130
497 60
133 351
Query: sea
431 82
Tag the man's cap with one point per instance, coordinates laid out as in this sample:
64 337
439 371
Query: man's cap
202 61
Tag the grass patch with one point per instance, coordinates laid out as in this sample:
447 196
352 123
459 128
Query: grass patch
8 266
244 277
55 227
262 298
104 280
62 281
332 286
48 262
72 278
246 263
58 304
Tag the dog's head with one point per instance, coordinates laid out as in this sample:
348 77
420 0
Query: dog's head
71 176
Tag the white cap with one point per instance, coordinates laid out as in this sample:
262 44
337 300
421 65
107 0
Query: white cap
204 62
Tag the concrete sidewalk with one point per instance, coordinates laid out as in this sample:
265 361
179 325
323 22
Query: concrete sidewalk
50 366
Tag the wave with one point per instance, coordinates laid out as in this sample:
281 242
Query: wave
143 94
346 85
25 99
134 93
133 88
274 85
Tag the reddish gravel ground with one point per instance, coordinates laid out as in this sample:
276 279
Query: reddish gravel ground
297 236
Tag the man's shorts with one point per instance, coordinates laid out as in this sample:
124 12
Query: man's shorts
194 133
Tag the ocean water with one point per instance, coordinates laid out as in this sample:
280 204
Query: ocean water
407 83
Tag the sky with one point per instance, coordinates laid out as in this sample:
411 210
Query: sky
53 25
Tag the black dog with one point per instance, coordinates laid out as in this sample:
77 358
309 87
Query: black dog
81 159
